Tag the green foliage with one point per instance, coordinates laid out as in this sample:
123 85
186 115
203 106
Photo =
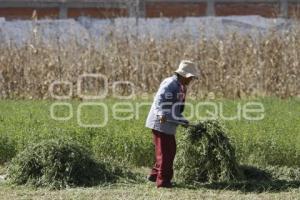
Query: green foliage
7 148
205 154
124 149
275 140
284 172
57 164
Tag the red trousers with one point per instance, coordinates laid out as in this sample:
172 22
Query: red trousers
165 150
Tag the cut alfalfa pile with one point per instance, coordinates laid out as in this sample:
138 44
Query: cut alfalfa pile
59 163
206 155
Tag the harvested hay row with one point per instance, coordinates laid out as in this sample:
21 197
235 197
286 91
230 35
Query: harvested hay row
59 163
206 155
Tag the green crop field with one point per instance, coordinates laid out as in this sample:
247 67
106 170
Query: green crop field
270 143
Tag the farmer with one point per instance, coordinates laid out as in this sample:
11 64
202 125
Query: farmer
166 109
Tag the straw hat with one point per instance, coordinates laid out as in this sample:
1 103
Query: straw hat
187 69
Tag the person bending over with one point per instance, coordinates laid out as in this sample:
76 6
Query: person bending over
166 108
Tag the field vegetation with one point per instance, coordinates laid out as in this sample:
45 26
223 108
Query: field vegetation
235 69
269 147
232 66
272 141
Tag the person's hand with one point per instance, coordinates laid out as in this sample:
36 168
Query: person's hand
186 125
162 119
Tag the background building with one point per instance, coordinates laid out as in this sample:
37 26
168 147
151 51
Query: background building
24 9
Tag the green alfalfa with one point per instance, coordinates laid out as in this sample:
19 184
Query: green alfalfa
206 155
59 163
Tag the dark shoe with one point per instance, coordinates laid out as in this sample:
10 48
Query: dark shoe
151 178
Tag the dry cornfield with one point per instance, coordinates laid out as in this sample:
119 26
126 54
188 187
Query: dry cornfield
234 66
